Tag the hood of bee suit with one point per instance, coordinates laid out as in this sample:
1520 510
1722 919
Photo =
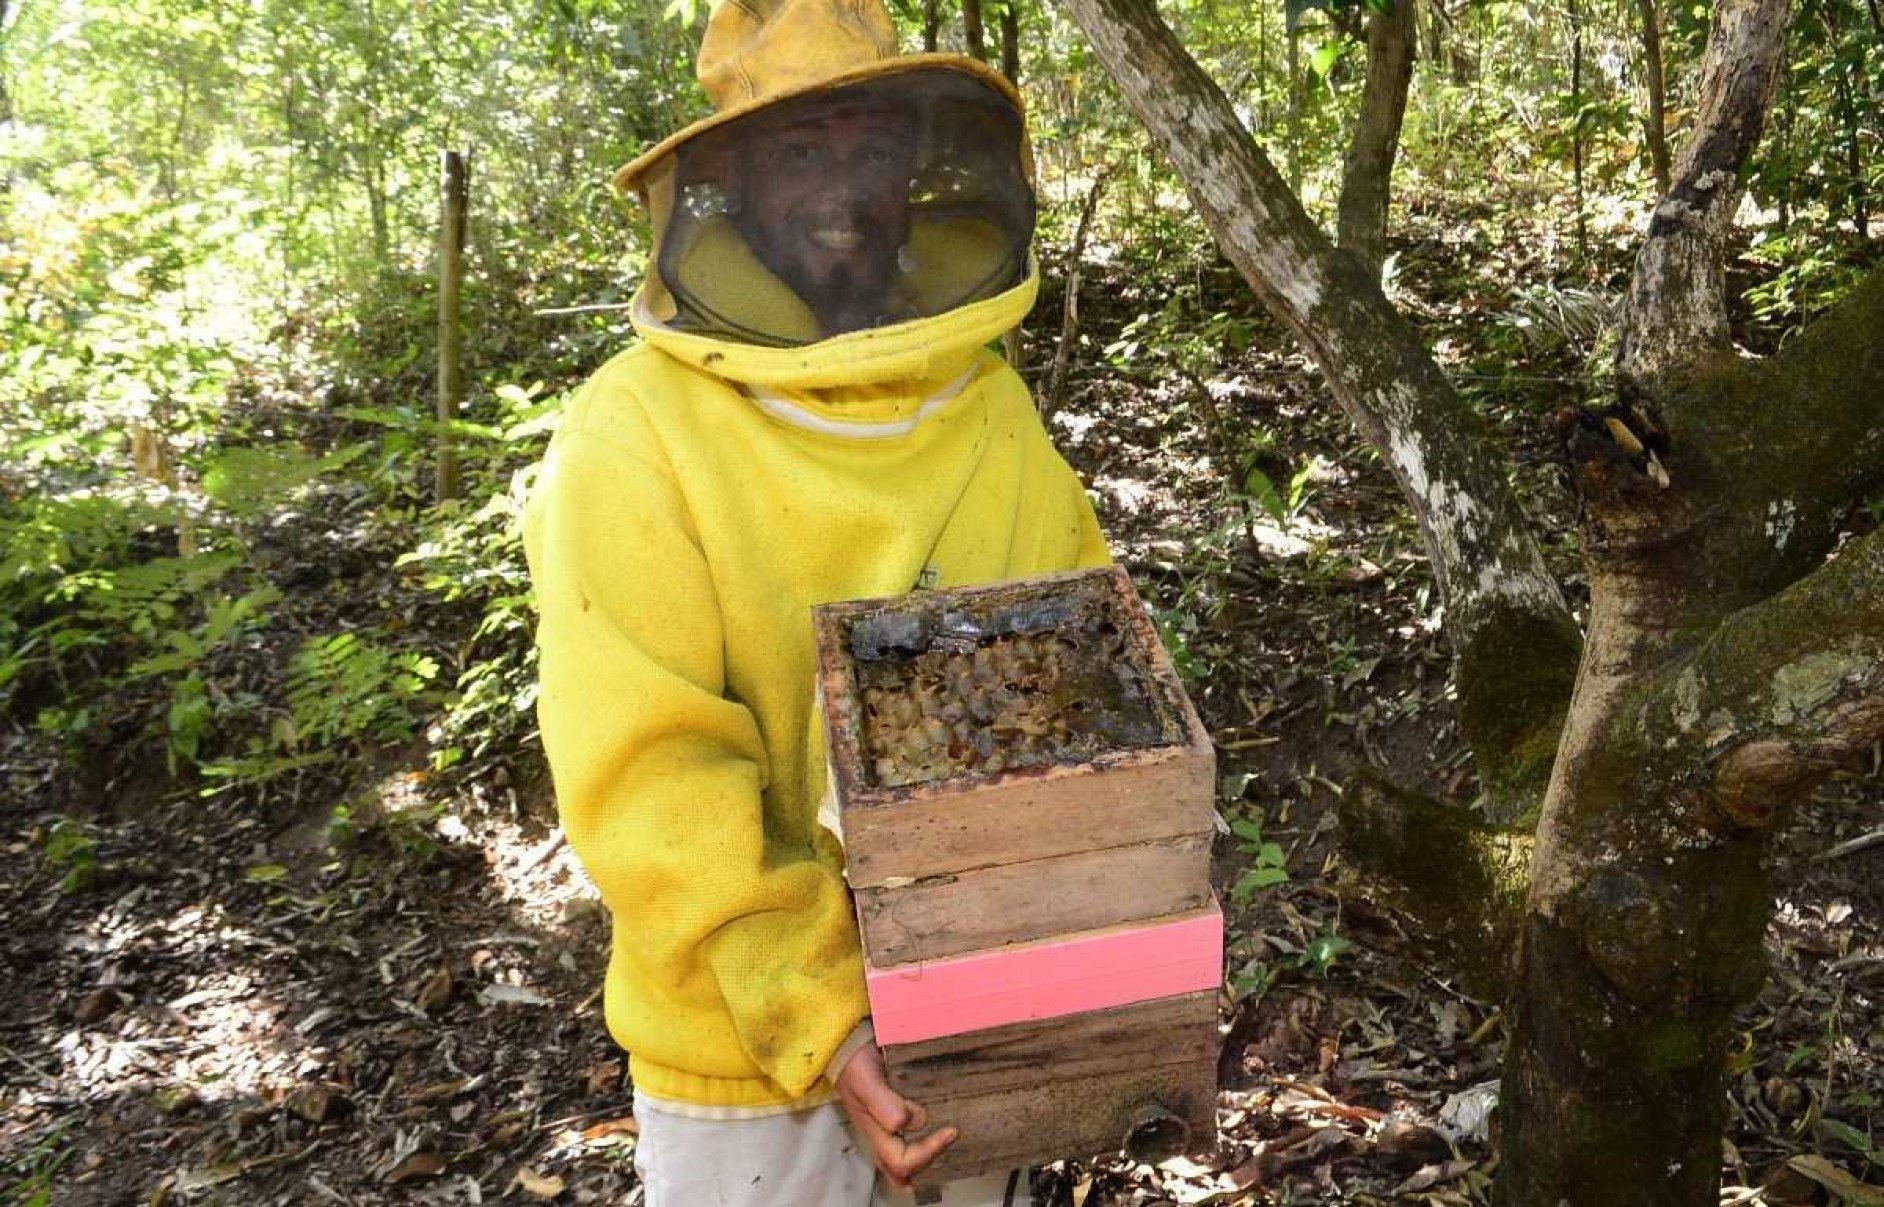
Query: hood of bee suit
849 217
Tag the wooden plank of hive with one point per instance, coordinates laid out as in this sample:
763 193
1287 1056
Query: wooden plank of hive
1125 797
1113 799
1057 978
992 907
1074 1086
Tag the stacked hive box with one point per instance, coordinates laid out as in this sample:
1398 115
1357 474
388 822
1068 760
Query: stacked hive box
1027 802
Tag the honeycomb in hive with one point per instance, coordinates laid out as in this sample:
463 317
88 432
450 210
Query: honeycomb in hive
1025 687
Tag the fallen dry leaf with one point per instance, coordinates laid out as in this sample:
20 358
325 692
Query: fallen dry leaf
418 1165
1467 1114
1432 1175
603 1078
505 1132
1408 1146
511 995
436 1091
537 1185
316 1103
1317 1144
1837 1181
97 1006
610 1130
434 992
1182 1166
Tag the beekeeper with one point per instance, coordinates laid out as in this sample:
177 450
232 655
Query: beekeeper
812 414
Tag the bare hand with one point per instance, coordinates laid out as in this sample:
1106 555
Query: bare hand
881 1115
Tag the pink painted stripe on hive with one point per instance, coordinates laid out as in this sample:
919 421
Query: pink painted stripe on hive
1095 970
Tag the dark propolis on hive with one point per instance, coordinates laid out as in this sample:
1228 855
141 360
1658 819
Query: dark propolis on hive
980 683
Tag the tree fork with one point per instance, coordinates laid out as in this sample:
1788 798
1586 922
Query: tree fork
1489 569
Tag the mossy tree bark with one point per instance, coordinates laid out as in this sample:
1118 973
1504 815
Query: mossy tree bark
1733 655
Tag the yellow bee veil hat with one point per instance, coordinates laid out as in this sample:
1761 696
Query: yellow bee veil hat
757 53
946 173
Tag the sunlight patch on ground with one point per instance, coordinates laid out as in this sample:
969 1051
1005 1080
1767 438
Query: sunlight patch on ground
221 1036
539 877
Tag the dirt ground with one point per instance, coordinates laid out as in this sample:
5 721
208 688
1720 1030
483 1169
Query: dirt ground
232 1000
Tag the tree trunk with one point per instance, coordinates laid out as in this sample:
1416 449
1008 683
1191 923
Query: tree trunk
972 29
1677 305
1366 181
931 24
1514 642
1010 41
1727 664
1655 127
1292 64
1577 124
455 171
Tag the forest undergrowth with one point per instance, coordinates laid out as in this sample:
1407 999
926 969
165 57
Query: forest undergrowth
291 920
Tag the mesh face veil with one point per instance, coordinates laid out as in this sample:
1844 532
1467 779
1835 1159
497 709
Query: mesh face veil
898 198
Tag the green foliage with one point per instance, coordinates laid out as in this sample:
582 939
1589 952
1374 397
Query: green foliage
1856 1140
32 1170
1322 950
70 849
1280 506
1820 159
409 831
1268 864
1295 10
250 481
1809 273
345 687
474 558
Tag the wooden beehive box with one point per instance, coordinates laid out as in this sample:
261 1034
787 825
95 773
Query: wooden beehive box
1026 800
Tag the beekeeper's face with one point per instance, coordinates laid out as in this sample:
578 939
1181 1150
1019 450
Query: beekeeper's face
825 204
894 199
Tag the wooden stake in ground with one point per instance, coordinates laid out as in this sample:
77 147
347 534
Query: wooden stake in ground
454 180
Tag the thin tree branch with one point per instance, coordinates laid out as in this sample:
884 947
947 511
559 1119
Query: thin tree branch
1366 179
1055 394
1655 124
1677 307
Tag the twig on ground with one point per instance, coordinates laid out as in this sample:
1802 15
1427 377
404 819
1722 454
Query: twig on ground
1863 842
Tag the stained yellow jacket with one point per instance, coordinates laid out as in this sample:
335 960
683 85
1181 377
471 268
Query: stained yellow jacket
699 497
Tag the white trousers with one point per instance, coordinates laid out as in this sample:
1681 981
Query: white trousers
801 1159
